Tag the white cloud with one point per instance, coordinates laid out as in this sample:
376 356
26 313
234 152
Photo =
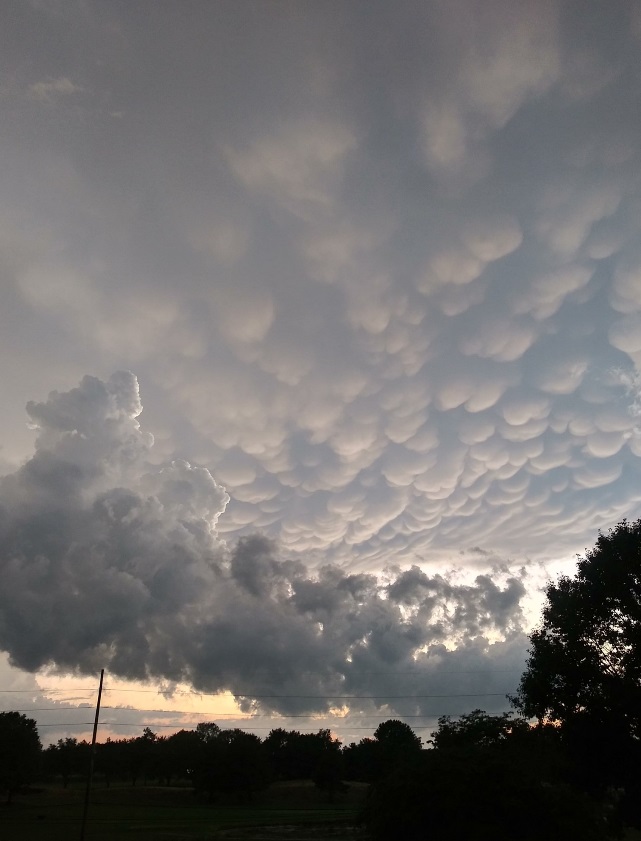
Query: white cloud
296 165
546 294
49 91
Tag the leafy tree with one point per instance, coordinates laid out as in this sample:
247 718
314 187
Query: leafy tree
491 778
20 751
295 756
242 763
394 742
584 666
178 755
67 758
487 796
228 761
308 748
362 760
587 653
329 770
142 753
207 731
276 749
109 759
397 736
477 729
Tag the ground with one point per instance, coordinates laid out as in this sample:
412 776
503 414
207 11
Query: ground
288 811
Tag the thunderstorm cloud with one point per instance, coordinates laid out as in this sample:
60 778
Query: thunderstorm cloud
377 268
110 562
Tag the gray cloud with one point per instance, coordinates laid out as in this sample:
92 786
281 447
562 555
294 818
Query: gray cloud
108 561
376 267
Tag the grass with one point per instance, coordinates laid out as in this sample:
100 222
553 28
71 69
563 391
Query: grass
289 811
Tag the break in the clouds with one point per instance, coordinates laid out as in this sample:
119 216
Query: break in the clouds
108 561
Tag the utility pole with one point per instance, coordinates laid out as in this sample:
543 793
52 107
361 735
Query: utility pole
91 759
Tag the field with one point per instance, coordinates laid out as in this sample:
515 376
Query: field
286 812
289 811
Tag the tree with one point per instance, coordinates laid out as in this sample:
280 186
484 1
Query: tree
178 754
477 729
229 762
66 758
207 731
487 777
293 755
394 742
397 736
20 751
328 772
362 761
584 666
586 656
489 795
141 753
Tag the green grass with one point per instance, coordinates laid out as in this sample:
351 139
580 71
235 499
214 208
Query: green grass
286 810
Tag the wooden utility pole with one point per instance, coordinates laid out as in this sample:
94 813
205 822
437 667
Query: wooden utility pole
91 759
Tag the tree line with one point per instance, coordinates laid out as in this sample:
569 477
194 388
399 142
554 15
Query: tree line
566 763
212 760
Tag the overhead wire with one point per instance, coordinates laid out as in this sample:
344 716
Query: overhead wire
275 718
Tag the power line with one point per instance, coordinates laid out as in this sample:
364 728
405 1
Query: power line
196 692
231 716
374 697
52 691
154 724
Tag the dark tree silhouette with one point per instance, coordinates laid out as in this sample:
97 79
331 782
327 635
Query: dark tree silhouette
295 756
397 736
67 758
587 653
178 754
490 778
229 761
328 772
362 760
477 729
584 666
20 752
207 731
394 742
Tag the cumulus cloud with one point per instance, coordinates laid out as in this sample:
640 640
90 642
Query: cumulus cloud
378 271
108 561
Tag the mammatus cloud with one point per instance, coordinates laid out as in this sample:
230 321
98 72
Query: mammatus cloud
376 268
108 561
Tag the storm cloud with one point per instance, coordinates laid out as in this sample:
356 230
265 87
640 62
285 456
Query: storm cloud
377 269
110 562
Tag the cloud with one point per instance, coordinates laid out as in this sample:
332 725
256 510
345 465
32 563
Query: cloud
375 271
496 62
49 91
110 562
296 165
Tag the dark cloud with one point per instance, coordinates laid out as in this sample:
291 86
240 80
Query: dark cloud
376 266
110 562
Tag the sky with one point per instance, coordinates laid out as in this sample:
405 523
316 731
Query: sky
320 337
